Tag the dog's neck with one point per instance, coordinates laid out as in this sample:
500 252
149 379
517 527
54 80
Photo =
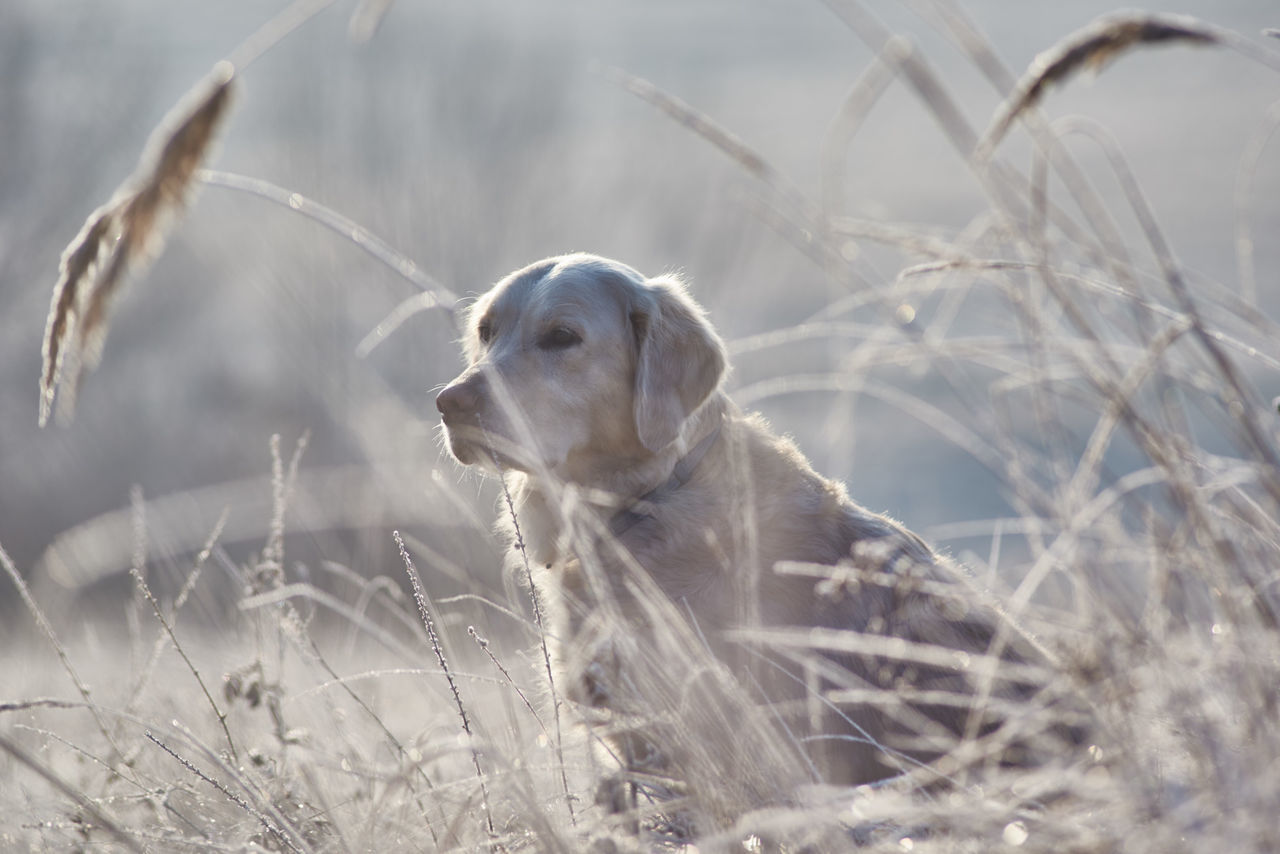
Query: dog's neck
542 506
626 518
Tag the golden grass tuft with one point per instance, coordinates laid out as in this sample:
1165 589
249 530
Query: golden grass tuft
1091 47
124 234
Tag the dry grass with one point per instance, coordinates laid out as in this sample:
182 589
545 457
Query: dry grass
124 235
1114 402
1091 48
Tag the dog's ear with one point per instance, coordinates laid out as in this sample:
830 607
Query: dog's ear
679 361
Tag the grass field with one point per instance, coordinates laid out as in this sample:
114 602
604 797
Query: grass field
243 665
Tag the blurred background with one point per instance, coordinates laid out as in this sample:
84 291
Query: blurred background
476 137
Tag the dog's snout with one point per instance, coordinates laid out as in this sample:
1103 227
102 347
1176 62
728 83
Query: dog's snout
461 397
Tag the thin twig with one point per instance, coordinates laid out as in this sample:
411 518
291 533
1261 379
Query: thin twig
276 831
483 643
395 742
366 19
349 229
276 30
22 757
535 600
157 649
45 627
421 599
38 703
177 645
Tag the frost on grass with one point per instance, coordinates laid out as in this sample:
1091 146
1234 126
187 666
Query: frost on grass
359 739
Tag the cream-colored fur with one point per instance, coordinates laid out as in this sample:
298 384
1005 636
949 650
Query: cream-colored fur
587 384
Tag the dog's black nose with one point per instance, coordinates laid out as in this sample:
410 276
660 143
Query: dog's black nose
460 397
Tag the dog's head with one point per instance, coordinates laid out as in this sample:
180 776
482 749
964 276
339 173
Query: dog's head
576 363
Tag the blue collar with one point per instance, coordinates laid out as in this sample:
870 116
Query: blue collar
680 475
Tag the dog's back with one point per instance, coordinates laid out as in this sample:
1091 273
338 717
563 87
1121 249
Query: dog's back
885 654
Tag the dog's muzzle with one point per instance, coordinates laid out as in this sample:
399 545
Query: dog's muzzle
460 400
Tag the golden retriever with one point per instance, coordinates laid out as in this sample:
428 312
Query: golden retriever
663 522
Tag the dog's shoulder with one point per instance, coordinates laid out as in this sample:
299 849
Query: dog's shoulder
802 514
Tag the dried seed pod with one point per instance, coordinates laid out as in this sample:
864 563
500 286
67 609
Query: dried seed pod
1090 47
123 235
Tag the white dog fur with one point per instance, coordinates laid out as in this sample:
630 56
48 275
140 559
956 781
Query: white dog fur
596 392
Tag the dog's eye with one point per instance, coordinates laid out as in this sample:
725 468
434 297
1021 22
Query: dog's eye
559 338
484 331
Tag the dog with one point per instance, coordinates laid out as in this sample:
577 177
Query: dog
660 523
